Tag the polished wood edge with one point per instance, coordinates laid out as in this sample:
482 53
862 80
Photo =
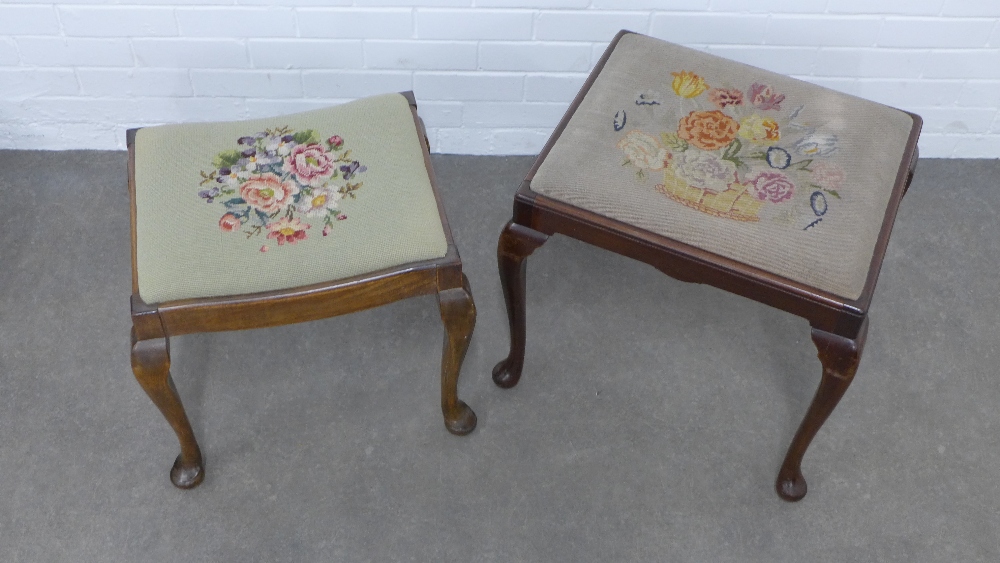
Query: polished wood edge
409 97
687 263
132 213
130 136
576 103
903 177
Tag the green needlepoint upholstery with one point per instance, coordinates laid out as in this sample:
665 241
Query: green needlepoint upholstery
776 173
269 204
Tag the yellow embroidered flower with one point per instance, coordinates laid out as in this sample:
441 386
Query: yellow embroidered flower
760 130
687 84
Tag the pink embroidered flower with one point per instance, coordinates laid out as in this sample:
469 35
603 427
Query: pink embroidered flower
335 141
267 192
263 248
763 97
722 97
326 230
230 223
341 217
772 186
311 164
287 230
828 176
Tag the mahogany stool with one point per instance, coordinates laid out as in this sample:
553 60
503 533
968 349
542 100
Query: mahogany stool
720 173
284 220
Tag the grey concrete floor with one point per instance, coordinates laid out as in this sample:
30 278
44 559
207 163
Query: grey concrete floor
649 424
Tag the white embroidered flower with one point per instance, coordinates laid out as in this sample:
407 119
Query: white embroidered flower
704 169
318 202
817 144
643 150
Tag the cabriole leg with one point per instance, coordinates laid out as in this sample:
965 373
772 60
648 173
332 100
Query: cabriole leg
516 243
151 365
840 358
458 312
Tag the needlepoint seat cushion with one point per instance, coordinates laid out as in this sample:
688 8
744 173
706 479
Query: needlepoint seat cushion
776 173
269 204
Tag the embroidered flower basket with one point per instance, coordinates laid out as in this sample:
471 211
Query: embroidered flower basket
735 202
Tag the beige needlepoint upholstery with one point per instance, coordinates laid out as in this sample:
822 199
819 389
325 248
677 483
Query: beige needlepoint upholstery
773 172
269 204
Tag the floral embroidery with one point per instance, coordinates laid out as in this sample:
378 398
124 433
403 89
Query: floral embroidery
731 155
687 84
278 178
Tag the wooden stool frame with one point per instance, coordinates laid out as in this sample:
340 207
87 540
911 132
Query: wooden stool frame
154 324
839 325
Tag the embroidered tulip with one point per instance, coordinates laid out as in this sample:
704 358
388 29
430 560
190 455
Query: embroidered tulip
643 150
708 130
760 130
268 193
772 186
287 230
230 223
687 84
763 97
722 97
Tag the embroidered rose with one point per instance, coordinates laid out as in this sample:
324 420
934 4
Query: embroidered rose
268 193
708 130
643 150
760 130
763 97
827 176
318 202
287 230
335 142
687 84
704 170
230 223
772 186
311 164
817 144
722 97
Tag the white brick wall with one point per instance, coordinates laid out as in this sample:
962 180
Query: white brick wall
491 76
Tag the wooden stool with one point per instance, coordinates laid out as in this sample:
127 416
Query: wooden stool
720 173
285 220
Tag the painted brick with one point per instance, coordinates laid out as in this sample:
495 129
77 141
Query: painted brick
462 141
247 83
933 145
423 55
28 20
979 146
354 84
188 110
411 3
8 52
597 51
269 108
118 21
135 82
505 115
28 83
956 120
451 86
58 136
535 4
983 8
520 141
191 53
75 51
678 5
439 114
356 23
977 93
236 22
710 28
534 56
301 3
587 26
963 64
552 88
898 7
945 33
474 25
995 39
785 60
306 53
870 63
765 6
822 31
907 94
